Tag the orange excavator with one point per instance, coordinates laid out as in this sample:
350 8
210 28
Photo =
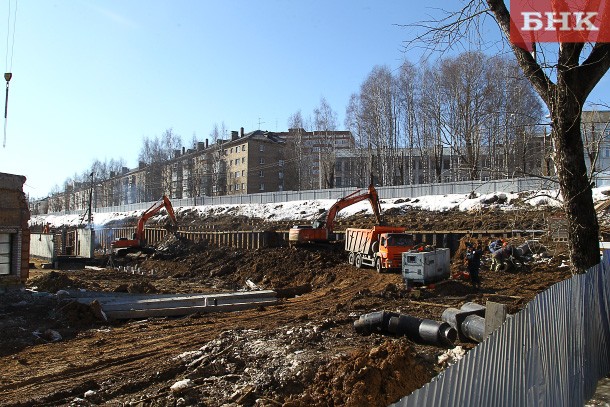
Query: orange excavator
123 246
322 229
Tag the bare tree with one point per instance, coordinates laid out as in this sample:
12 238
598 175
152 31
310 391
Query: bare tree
408 82
215 157
378 118
56 202
325 124
354 123
298 153
564 82
594 129
155 154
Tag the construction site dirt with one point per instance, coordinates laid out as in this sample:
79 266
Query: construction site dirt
302 351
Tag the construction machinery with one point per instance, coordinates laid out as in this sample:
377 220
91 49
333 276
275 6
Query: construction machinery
322 229
380 247
122 246
426 265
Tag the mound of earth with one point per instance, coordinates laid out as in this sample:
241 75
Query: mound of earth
375 376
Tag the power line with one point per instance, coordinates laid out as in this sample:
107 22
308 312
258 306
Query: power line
8 74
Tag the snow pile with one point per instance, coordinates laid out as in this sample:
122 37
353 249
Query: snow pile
311 209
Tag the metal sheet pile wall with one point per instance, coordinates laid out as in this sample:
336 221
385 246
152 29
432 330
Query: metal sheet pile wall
552 353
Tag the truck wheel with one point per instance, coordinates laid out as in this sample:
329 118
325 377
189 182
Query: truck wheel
351 258
378 265
358 261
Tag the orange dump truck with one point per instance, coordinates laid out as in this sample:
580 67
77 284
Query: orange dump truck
380 247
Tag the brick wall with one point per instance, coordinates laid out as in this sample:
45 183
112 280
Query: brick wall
14 216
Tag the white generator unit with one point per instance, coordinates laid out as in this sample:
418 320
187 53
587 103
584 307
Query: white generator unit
426 266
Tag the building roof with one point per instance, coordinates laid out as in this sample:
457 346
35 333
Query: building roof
262 135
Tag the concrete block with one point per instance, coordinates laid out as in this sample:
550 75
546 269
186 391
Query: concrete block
494 316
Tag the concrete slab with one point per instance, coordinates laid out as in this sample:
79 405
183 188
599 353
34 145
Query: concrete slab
121 305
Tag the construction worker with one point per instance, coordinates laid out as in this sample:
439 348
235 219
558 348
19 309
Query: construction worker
473 258
500 258
494 246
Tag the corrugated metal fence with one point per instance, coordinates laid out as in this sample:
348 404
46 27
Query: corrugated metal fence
401 191
552 353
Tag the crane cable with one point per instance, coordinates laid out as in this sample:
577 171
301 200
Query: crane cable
8 73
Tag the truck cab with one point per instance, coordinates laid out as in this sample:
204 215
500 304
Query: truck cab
391 248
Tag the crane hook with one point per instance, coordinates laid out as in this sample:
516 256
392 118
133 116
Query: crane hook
7 78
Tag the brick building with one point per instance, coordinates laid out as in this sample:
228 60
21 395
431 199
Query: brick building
14 232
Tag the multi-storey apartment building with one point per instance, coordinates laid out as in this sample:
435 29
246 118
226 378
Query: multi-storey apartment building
254 162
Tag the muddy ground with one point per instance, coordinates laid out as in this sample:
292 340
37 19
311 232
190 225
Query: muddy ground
302 352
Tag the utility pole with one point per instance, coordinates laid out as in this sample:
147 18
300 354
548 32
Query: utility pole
90 199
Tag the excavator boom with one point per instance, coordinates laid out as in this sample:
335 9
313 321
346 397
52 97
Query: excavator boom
323 233
139 241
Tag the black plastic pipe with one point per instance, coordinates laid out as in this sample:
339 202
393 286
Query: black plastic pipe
423 331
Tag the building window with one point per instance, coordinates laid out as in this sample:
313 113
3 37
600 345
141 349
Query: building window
243 148
261 147
261 173
280 175
243 160
231 150
280 163
261 160
5 253
236 174
243 187
262 187
237 187
243 173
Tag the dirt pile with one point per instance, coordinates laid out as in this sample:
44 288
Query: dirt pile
52 282
375 376
28 319
172 247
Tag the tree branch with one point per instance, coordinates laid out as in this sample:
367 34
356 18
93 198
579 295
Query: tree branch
594 67
532 70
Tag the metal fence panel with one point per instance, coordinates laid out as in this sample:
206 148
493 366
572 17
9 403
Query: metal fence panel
552 353
390 192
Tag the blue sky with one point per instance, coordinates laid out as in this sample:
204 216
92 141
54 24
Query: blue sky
92 78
